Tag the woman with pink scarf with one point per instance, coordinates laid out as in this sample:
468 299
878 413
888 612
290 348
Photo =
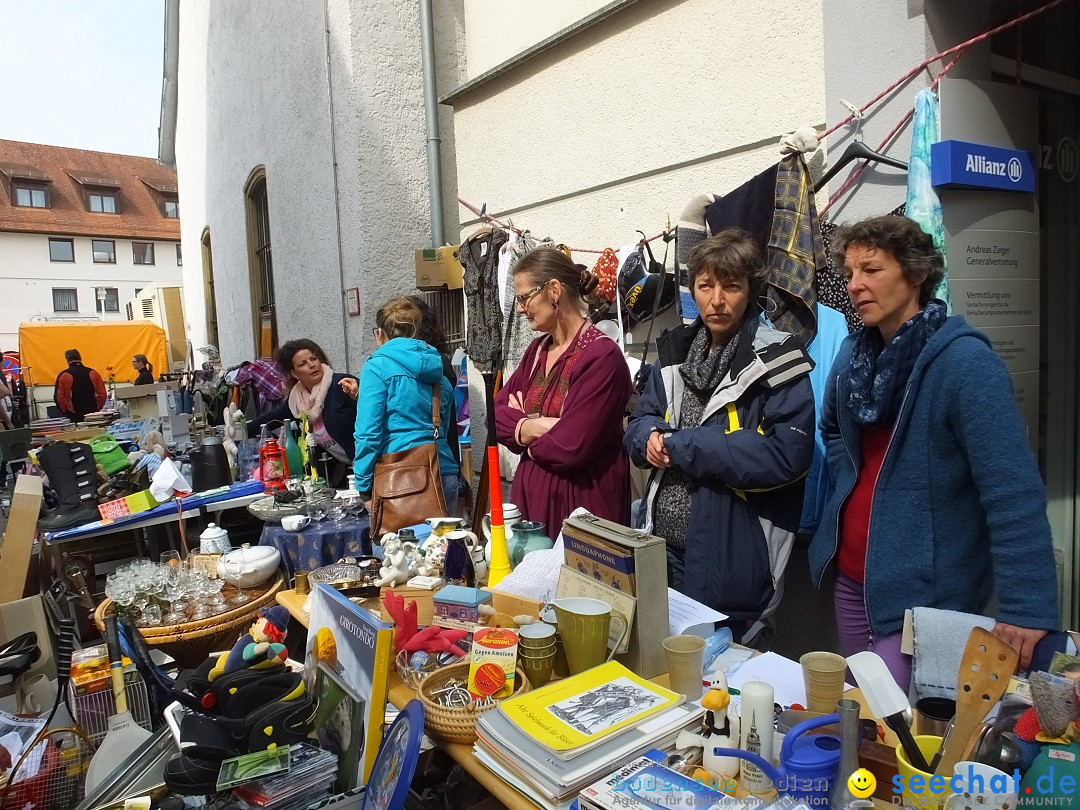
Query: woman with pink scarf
328 399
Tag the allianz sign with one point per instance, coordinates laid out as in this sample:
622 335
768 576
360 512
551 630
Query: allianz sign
957 164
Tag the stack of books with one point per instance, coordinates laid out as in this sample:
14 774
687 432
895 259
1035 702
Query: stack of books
551 743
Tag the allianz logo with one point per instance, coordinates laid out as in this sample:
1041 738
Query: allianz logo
980 164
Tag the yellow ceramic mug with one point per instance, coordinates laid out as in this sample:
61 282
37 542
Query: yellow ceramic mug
584 626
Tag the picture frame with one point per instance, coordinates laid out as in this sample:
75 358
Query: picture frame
340 715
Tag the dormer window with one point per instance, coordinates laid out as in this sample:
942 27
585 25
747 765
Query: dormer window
100 193
31 197
29 185
171 209
102 202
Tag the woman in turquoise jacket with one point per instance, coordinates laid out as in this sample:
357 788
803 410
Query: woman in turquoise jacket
393 412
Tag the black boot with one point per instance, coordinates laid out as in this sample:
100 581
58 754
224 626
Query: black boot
73 474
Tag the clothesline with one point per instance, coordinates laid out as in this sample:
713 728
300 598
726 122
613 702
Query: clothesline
488 218
963 46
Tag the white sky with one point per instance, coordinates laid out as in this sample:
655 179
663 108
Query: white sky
82 73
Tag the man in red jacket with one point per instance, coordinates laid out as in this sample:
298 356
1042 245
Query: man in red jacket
79 390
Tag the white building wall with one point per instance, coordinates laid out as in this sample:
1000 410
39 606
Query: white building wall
27 279
619 126
254 90
868 50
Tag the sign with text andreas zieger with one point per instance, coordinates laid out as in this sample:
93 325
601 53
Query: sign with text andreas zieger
959 164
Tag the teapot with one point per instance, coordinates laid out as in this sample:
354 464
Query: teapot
808 764
214 540
511 515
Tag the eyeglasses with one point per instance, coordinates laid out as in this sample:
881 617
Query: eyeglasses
525 297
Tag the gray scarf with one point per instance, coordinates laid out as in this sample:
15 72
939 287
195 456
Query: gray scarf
702 373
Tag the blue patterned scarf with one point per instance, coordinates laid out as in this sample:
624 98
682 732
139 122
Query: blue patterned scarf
879 371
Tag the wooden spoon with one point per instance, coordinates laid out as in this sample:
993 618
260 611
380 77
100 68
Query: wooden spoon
985 669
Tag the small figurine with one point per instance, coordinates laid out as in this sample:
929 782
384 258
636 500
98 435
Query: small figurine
492 618
261 643
396 568
721 731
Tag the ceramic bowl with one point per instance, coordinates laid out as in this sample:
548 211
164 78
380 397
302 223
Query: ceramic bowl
249 566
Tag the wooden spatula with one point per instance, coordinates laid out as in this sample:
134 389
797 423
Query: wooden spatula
985 669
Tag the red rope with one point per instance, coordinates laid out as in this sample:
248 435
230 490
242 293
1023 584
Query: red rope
888 138
489 218
959 50
936 57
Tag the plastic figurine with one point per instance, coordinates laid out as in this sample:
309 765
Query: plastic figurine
492 618
261 643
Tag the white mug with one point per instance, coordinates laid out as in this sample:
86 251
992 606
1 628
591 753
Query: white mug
295 523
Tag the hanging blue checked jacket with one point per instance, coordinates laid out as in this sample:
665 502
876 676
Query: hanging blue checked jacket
747 458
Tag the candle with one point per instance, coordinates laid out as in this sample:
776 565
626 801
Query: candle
756 734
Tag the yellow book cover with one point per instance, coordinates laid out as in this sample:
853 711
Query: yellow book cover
579 711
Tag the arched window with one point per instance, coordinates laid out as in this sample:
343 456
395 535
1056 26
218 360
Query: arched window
209 301
261 265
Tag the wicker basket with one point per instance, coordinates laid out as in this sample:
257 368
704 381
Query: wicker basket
191 642
452 724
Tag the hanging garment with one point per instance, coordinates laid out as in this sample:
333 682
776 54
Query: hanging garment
795 251
480 257
689 233
923 205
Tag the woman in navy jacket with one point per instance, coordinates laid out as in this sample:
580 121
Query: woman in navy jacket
328 398
727 423
936 496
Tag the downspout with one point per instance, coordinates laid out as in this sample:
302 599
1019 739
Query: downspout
337 194
167 119
431 113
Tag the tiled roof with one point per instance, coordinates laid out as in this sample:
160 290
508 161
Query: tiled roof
139 180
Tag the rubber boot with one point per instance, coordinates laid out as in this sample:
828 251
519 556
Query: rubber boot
73 474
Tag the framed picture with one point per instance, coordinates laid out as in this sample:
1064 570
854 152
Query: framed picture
339 724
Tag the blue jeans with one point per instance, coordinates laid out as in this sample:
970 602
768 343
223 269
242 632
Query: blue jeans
450 492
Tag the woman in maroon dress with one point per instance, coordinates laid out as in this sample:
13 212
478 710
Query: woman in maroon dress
563 407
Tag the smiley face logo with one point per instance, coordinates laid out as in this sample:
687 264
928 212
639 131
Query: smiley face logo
862 783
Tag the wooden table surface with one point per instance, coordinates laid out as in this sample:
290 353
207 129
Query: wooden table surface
399 694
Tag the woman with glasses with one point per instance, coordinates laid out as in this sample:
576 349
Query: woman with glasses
396 391
328 399
563 408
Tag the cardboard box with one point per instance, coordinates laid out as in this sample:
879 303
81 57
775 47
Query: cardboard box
176 429
645 654
133 429
607 564
142 400
18 541
438 268
19 616
128 505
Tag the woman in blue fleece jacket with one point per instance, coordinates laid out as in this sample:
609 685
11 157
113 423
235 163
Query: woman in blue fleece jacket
397 383
937 500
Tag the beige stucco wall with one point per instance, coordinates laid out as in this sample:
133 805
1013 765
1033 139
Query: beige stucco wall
499 30
617 128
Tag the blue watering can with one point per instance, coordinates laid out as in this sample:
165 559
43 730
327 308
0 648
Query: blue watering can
808 764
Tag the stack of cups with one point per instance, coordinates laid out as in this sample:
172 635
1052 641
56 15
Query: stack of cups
536 649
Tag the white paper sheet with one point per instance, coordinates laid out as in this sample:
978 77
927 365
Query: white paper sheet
536 576
684 613
784 674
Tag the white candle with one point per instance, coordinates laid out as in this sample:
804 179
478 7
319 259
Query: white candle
757 731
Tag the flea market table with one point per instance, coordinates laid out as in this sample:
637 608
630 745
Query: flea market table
317 544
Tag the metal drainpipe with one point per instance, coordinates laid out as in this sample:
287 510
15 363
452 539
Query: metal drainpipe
337 196
431 113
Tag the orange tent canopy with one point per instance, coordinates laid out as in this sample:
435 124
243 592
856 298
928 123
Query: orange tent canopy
106 346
